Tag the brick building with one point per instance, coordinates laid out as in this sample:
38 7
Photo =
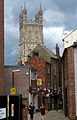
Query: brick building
47 65
69 81
2 82
22 80
19 78
43 77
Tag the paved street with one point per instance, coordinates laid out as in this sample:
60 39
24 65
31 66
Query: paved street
52 115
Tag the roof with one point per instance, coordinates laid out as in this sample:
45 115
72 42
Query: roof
49 52
74 46
70 33
14 66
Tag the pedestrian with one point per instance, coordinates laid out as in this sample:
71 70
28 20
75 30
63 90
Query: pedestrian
31 109
42 111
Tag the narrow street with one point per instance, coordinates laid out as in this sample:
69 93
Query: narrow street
52 115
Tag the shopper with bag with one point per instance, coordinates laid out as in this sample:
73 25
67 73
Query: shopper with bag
42 111
31 109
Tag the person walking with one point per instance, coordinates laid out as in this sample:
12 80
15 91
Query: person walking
42 111
31 110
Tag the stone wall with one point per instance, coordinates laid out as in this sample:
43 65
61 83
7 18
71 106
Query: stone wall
31 34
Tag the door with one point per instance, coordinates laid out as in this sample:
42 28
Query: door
3 107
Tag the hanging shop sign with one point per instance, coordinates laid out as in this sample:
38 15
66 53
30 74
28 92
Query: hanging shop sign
39 81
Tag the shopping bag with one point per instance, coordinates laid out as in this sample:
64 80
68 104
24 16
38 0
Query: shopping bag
46 111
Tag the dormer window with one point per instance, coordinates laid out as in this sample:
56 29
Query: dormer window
35 54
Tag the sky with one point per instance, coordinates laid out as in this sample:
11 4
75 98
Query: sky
59 19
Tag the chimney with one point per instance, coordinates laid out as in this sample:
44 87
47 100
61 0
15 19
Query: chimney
57 51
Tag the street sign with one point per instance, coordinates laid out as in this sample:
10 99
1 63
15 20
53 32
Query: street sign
2 113
13 91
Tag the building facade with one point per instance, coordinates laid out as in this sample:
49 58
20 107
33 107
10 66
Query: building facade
69 81
43 79
18 80
21 79
70 39
2 82
31 33
47 65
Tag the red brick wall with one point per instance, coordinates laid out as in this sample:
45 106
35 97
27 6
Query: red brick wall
21 80
69 81
41 66
1 46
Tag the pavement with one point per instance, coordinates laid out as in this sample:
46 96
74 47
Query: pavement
52 115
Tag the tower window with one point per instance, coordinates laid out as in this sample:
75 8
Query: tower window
35 54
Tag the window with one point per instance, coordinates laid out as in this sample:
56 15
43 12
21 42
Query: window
47 69
35 54
33 76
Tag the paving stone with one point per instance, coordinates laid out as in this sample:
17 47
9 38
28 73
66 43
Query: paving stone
52 115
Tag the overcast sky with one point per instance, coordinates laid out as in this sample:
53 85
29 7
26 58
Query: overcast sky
59 18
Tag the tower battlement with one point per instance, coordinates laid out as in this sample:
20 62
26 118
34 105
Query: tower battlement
24 20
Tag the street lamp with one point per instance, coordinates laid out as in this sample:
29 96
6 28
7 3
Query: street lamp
13 89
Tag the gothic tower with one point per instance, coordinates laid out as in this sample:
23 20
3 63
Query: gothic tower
31 32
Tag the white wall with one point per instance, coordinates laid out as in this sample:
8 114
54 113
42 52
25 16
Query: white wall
70 39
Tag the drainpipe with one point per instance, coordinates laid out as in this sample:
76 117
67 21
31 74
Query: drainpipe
30 95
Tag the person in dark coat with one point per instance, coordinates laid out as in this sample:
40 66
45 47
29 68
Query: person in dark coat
42 111
31 110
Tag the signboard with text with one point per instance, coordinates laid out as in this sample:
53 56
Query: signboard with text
39 81
13 91
2 113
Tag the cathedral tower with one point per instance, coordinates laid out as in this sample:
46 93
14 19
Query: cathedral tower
31 32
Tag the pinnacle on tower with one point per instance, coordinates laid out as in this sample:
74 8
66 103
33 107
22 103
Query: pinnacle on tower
23 15
40 6
40 14
40 10
25 10
21 8
36 11
21 12
36 15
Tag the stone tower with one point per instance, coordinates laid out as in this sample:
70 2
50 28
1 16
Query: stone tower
31 32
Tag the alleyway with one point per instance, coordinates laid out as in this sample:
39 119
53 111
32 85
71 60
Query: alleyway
52 115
